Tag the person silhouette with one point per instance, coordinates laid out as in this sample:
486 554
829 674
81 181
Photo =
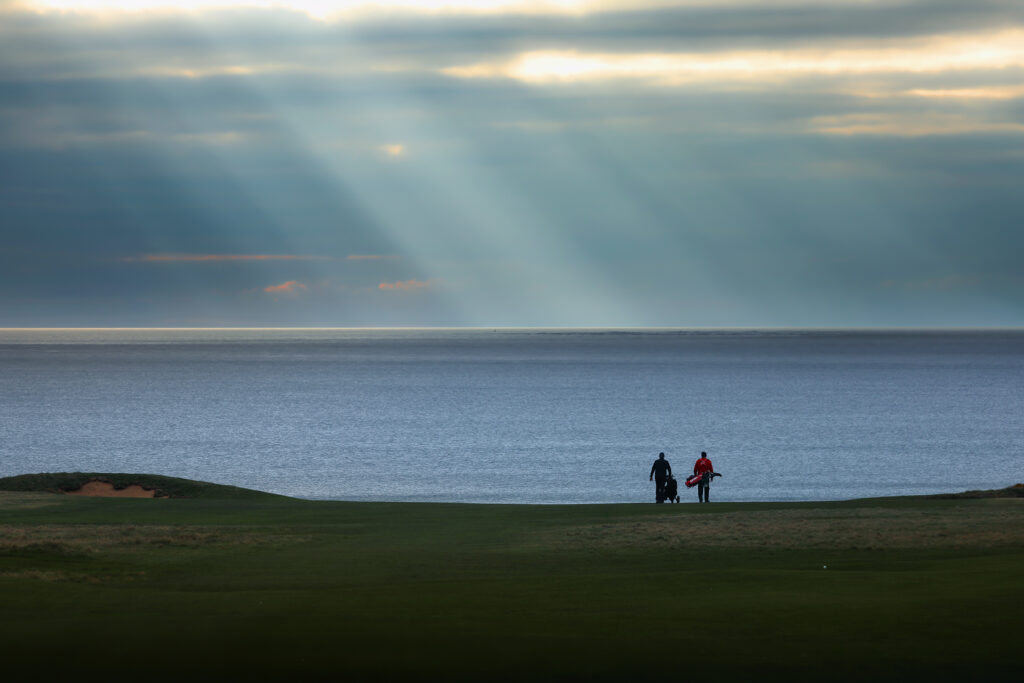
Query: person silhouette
703 467
660 472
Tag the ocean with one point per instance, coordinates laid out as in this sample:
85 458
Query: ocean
520 415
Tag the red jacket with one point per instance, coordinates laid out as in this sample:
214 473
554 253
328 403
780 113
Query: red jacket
702 465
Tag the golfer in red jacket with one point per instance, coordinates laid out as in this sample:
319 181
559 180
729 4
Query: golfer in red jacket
703 466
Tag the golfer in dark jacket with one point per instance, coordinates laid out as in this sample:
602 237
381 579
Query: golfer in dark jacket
660 472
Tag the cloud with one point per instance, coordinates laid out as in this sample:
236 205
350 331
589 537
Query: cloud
290 287
372 257
911 125
206 72
995 92
247 41
996 50
948 282
406 286
323 10
44 138
202 258
329 11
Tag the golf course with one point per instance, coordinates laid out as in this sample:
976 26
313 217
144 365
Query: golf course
206 582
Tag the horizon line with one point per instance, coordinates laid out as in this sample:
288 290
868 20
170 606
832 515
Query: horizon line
526 327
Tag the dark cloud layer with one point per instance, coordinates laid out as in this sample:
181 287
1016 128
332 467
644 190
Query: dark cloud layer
273 30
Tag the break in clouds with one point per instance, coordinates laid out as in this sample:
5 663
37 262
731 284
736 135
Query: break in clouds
569 163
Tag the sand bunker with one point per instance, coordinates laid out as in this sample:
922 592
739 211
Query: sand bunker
105 489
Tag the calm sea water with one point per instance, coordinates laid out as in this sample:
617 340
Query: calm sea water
520 416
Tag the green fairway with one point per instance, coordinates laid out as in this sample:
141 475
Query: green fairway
266 588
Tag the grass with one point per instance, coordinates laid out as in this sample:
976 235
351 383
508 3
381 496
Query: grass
272 588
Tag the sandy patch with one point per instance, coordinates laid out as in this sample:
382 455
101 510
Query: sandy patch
105 489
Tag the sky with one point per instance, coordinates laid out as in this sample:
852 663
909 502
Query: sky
665 163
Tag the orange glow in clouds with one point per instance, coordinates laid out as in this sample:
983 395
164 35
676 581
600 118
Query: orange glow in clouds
407 286
290 287
393 151
168 258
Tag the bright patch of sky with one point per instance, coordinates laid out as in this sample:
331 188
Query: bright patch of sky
511 162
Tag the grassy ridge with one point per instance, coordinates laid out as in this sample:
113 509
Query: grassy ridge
274 588
173 487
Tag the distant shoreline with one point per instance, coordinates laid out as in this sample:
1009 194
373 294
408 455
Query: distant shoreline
131 485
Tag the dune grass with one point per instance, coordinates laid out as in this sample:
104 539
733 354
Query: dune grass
275 588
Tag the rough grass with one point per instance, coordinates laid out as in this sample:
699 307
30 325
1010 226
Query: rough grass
997 523
281 589
98 538
18 500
